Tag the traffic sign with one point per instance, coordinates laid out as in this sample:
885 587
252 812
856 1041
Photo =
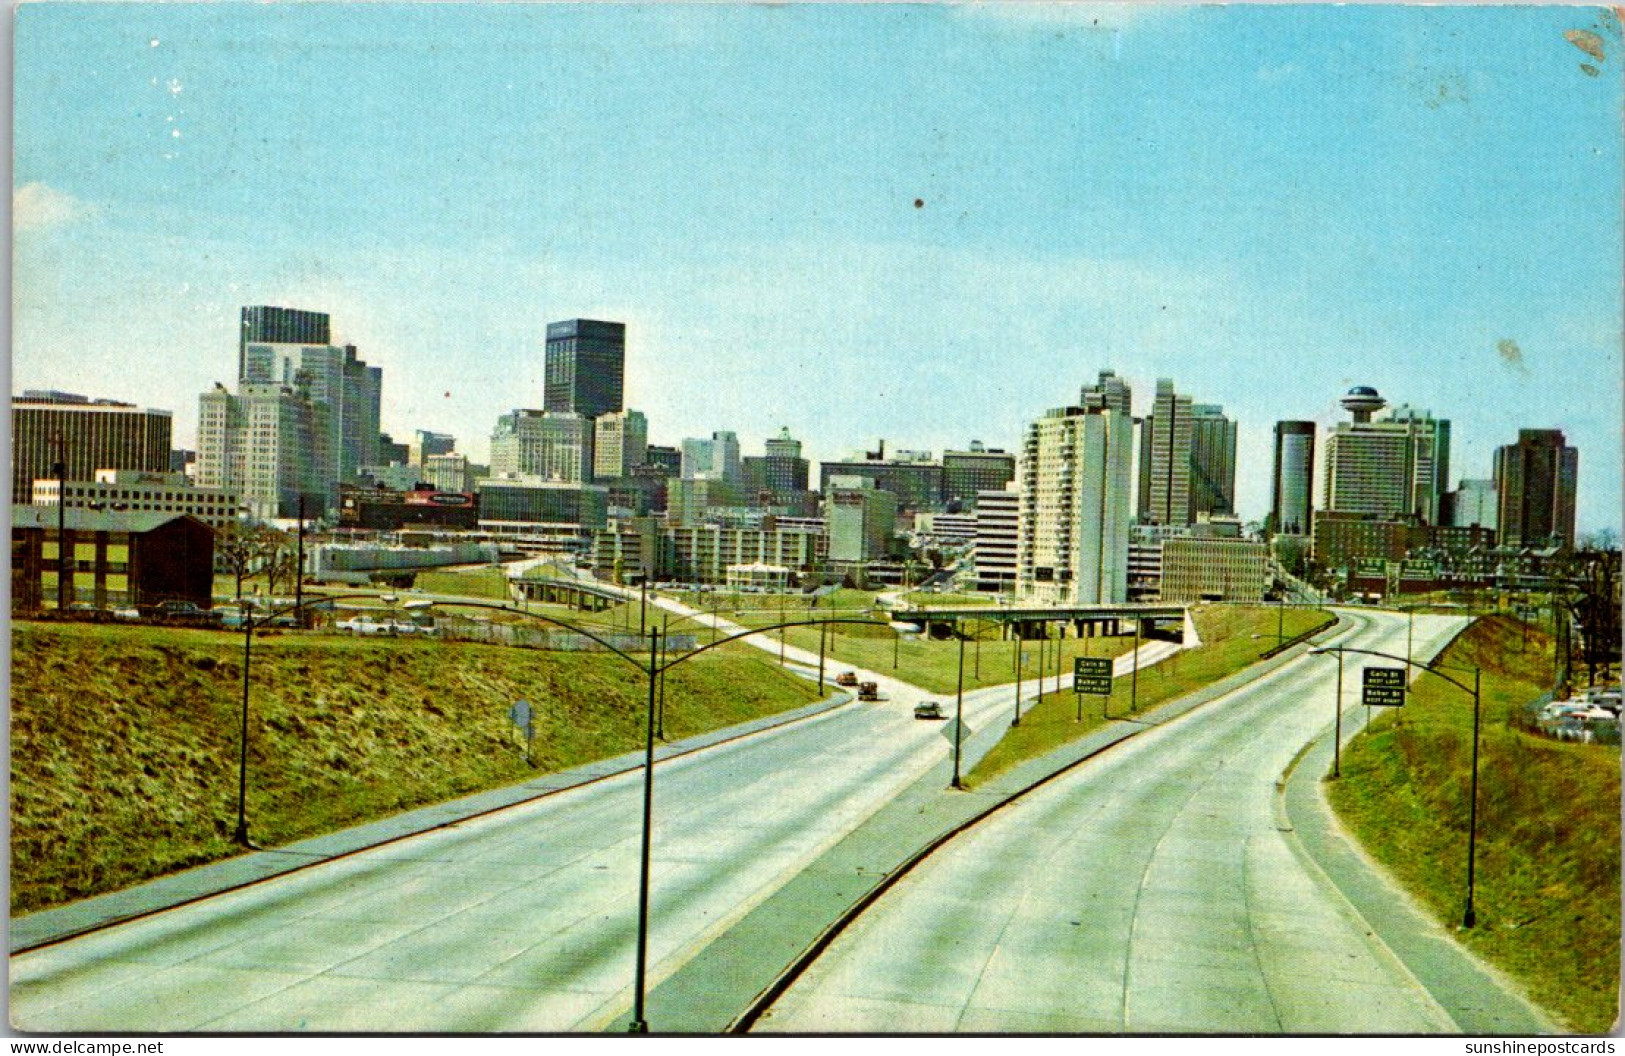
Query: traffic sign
1092 674
1383 687
954 729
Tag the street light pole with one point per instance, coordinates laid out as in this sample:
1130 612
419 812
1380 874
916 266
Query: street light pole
1410 627
1134 681
240 835
640 1025
1469 918
959 713
64 578
1337 737
1016 721
822 634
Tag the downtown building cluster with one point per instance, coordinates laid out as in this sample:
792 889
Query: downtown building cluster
1096 506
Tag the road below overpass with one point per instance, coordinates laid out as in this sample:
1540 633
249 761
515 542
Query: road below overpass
521 920
1156 889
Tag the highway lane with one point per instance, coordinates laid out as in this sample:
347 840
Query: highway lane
517 921
1152 890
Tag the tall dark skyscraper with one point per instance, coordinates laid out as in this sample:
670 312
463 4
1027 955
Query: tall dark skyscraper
1536 480
266 325
1292 486
585 368
1213 461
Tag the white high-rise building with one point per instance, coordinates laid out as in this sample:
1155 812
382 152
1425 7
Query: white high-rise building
1165 459
998 521
713 459
1077 498
620 444
1394 467
551 445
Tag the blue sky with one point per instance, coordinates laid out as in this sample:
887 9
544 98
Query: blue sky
1266 204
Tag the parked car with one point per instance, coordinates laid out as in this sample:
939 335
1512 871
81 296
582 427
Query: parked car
928 709
365 625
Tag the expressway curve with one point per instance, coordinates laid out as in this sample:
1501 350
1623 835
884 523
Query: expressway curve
1157 889
521 920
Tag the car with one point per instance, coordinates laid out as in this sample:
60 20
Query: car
846 678
365 625
928 709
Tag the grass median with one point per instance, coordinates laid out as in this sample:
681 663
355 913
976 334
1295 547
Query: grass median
1547 890
1233 637
124 740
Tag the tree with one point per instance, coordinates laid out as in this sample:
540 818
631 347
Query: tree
1591 575
246 548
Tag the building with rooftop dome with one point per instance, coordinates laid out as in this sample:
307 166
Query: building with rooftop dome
1392 467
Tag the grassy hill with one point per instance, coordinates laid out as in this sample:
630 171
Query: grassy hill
124 740
1547 892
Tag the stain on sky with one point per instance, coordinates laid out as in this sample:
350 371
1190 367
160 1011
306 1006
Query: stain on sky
1511 354
1588 42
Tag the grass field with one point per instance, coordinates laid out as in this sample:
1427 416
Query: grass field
1547 895
124 740
1232 636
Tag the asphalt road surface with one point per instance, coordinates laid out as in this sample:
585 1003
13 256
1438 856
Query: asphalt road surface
1152 890
518 921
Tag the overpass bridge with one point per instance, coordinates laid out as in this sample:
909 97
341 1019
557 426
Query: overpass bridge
1154 620
585 594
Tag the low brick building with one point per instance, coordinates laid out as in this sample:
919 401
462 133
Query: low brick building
115 558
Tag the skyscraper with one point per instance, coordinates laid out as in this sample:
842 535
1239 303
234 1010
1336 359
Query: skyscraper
1165 459
1076 501
1292 486
620 444
965 474
552 445
713 459
1110 393
585 367
267 325
264 443
1536 480
94 434
1213 461
1393 467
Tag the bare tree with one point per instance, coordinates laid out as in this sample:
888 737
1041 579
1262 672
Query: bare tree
248 548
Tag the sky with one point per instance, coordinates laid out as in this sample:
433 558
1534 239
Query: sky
928 223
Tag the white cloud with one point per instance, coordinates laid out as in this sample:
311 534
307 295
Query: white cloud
37 207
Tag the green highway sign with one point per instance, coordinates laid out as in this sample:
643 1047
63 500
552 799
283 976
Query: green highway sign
1370 567
1092 674
1383 687
1419 569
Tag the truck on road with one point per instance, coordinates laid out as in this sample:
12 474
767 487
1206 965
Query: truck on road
868 691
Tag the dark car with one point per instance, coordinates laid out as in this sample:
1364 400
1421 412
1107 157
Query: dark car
928 709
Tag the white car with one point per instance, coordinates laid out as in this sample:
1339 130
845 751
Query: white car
365 625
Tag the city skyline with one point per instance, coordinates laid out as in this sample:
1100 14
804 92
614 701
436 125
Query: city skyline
1422 200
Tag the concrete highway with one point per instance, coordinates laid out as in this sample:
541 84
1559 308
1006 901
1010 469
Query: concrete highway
1152 890
518 921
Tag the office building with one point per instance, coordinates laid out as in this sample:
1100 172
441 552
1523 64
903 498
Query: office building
713 459
1292 486
861 520
704 553
389 452
780 474
1196 568
267 325
531 500
1536 480
130 490
694 500
913 477
666 458
998 517
1389 468
263 444
620 444
88 434
1076 502
965 474
552 445
425 445
585 367
1213 462
1109 393
1165 459
1473 502
448 472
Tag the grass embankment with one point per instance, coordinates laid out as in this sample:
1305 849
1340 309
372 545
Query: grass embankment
1547 892
472 583
1232 636
124 740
